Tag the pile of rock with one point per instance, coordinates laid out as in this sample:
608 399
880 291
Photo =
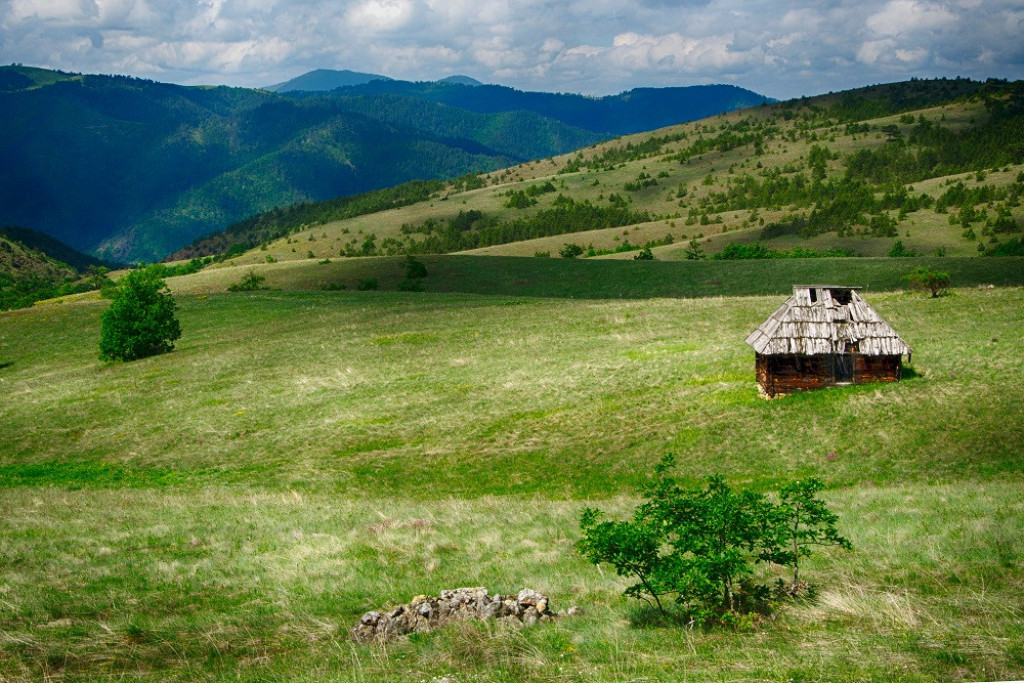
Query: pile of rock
426 613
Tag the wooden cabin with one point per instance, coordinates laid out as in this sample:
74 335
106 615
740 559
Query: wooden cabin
825 335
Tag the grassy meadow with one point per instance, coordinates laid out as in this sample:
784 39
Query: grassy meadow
229 510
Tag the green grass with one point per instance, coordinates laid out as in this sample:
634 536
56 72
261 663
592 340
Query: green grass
221 583
228 510
606 278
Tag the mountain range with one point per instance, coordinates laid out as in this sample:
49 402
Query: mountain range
129 169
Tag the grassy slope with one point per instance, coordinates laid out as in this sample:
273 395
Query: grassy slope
924 231
604 278
230 509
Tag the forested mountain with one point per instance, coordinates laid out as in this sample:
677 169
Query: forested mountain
130 169
634 111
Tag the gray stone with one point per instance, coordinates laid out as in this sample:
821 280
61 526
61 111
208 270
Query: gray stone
427 613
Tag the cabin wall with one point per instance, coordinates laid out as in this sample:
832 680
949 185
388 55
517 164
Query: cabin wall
788 373
877 369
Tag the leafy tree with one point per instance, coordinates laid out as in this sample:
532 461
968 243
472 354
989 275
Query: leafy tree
693 251
800 521
140 321
700 544
893 133
644 254
923 278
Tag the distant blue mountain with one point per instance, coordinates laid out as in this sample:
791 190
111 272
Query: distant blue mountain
461 80
325 79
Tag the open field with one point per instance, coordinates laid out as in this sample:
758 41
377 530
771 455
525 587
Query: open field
227 511
603 278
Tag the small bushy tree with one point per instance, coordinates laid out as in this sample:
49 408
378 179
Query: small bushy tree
699 544
900 251
926 279
140 321
250 283
694 252
570 250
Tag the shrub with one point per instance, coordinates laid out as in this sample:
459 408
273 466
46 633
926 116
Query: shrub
414 268
699 545
249 283
936 282
140 321
570 251
694 252
645 254
367 285
900 251
1014 247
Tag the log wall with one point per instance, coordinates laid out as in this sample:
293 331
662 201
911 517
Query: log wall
785 374
869 369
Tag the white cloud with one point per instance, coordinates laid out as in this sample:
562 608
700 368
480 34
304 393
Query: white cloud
380 15
907 16
593 46
874 50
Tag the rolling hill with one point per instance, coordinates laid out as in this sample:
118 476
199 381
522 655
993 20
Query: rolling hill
327 446
633 111
811 177
324 79
129 169
34 266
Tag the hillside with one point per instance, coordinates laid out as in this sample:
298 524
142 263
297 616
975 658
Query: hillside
129 169
633 111
812 177
231 509
324 445
52 248
28 274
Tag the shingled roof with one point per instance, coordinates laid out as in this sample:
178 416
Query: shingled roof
826 319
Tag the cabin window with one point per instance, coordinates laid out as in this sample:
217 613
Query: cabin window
814 295
842 296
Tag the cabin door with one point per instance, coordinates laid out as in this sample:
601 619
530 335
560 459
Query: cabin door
842 368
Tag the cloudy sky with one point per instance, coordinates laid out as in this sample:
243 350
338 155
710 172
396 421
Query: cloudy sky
782 49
